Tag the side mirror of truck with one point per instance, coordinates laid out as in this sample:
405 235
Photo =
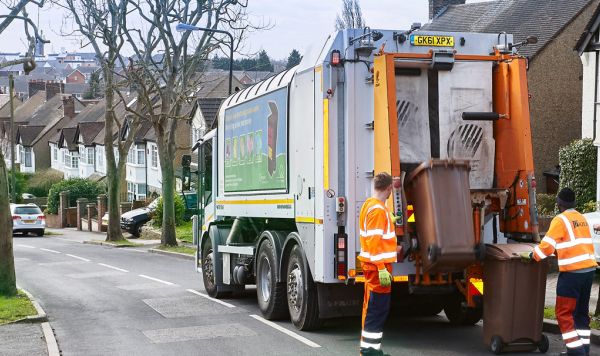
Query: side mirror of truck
597 229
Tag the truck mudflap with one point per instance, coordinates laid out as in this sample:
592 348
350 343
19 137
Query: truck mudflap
339 299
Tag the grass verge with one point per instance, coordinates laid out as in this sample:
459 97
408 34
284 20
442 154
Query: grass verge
51 233
184 231
15 308
123 242
180 249
549 313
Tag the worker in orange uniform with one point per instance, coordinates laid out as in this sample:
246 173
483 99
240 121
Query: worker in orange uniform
569 237
377 251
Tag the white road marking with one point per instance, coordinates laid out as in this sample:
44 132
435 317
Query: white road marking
45 249
59 238
158 280
118 269
81 258
213 299
286 331
25 246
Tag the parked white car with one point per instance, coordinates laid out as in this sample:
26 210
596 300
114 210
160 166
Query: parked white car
28 218
593 220
28 196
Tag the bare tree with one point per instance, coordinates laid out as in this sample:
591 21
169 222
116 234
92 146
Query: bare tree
101 24
351 16
164 73
7 264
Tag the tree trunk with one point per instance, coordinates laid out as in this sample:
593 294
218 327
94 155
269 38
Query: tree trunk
114 171
166 154
8 282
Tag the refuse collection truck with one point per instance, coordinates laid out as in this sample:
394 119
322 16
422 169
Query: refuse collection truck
292 159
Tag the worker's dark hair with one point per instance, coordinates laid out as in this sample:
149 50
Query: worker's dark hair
382 181
566 198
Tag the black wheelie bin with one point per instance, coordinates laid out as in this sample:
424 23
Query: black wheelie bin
513 299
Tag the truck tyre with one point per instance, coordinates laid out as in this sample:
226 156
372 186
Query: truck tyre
270 293
458 314
207 272
302 298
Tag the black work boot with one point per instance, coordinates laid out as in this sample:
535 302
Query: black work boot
369 351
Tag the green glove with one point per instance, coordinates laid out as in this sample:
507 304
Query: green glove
525 257
385 278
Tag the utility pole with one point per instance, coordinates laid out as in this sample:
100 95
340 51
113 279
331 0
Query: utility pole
12 138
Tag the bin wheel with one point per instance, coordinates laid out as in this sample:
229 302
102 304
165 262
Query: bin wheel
544 345
433 251
480 251
496 344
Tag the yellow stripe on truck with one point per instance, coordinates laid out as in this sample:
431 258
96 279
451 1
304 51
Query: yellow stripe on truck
326 143
246 202
309 220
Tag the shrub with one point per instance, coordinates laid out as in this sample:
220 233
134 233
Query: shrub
40 182
578 163
77 187
20 186
546 205
588 207
157 214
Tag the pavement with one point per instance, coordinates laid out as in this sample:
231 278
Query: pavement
35 336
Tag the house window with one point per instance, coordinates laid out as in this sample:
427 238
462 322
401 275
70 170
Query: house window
75 78
141 156
22 151
54 153
27 156
141 191
130 155
100 158
130 191
64 157
74 162
90 155
154 156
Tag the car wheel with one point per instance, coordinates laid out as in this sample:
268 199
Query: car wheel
137 230
40 233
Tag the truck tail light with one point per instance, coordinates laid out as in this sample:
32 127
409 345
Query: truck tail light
341 255
335 58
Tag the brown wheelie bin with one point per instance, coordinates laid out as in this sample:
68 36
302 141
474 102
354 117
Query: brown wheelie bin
513 299
441 198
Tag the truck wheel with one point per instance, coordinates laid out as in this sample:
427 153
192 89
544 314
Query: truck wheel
208 272
271 294
459 314
303 302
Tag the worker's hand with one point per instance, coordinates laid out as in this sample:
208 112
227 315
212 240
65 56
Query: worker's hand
525 257
394 218
385 278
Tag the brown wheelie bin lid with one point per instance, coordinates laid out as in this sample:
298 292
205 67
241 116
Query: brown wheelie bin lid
507 251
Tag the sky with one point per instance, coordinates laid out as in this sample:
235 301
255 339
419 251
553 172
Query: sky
295 24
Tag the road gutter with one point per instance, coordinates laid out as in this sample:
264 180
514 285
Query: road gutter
51 343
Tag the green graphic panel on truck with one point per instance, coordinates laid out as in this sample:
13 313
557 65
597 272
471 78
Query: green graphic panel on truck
256 144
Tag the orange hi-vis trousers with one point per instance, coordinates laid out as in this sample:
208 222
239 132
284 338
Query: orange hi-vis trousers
375 307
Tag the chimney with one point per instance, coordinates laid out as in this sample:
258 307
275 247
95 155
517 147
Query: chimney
53 87
435 6
68 104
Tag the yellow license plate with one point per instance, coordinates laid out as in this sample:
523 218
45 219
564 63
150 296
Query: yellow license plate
29 221
440 41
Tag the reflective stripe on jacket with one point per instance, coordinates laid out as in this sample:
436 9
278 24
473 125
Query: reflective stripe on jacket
377 239
568 236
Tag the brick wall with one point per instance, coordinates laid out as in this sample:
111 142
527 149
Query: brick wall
53 87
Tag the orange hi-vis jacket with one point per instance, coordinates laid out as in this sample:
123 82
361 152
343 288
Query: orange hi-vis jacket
377 236
569 235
